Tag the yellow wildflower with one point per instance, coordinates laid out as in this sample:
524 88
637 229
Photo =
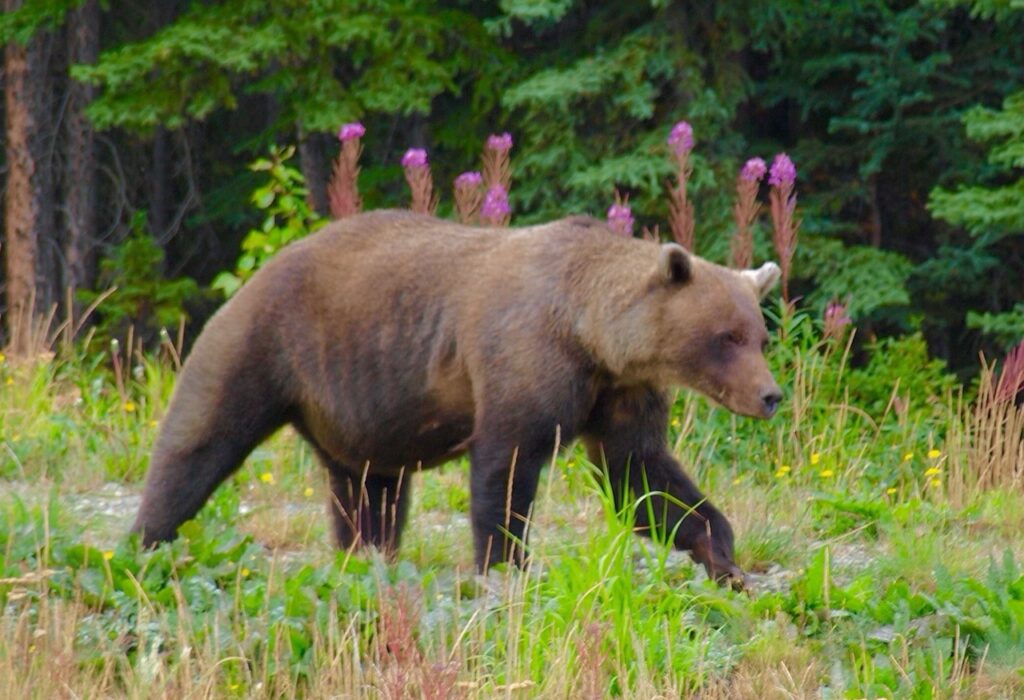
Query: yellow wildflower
815 457
128 406
891 490
108 555
936 482
932 471
783 470
2 358
153 423
10 380
736 481
907 457
934 454
245 572
267 478
826 473
676 423
308 492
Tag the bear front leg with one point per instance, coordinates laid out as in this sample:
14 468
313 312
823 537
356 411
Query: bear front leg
502 483
626 435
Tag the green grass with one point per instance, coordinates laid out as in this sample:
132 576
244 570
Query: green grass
874 572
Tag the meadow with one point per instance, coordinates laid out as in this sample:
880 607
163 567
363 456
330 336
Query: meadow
879 515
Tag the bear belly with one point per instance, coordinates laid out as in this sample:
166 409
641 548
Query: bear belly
414 439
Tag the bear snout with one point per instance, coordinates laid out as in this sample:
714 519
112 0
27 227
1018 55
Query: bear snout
770 400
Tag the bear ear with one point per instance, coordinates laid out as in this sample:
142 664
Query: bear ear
674 264
763 278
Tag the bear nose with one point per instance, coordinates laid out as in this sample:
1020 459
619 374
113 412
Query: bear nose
770 401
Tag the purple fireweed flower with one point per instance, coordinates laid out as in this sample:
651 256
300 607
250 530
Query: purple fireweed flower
495 205
835 313
753 170
469 179
620 218
836 319
500 142
783 171
353 130
681 138
414 158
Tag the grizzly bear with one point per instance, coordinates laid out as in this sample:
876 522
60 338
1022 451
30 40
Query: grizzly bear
395 342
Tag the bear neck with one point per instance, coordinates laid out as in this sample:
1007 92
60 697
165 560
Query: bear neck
609 289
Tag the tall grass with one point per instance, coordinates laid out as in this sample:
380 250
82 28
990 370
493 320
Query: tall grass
879 515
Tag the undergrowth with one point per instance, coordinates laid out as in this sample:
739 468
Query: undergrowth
882 564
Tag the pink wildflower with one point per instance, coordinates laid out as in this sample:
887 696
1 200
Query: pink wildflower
421 184
620 217
783 171
414 158
836 319
500 142
495 209
680 209
753 170
343 188
468 195
497 175
353 130
783 208
469 179
745 212
681 138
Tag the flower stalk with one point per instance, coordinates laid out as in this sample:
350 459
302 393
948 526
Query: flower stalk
745 212
680 215
469 195
343 189
421 184
620 216
785 227
497 179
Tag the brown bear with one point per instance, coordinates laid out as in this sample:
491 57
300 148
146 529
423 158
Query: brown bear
395 342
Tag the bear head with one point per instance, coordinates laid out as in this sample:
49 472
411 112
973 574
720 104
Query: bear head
699 325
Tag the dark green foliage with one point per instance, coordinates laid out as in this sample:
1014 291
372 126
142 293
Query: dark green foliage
328 62
994 214
288 218
142 296
869 97
901 367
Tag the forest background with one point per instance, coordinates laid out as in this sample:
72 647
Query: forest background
129 127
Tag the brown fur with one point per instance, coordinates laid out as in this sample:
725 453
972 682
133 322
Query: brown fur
394 342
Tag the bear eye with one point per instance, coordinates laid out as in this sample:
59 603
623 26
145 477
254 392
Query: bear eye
734 338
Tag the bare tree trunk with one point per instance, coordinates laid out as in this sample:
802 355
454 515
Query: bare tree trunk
314 169
83 47
158 185
28 211
876 214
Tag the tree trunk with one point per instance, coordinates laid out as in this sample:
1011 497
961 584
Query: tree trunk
312 163
83 47
876 214
28 211
158 185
